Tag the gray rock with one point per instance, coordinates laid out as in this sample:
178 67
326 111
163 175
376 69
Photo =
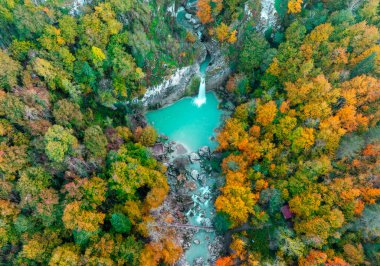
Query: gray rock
194 157
196 241
174 86
207 222
229 106
187 245
198 261
180 149
201 177
171 89
194 21
194 174
172 149
196 26
204 151
218 70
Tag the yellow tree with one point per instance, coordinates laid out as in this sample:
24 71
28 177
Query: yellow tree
237 201
204 11
222 32
266 113
65 255
295 6
302 139
232 134
75 218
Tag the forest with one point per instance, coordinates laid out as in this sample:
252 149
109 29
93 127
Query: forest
298 155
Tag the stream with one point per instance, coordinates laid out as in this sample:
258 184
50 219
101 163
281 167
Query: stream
191 122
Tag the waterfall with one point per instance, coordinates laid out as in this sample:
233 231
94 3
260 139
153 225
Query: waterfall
201 99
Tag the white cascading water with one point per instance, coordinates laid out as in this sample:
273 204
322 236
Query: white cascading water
201 99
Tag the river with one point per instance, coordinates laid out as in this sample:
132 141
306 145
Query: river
191 122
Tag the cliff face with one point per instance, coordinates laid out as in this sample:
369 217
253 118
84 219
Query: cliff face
174 87
171 89
268 16
218 69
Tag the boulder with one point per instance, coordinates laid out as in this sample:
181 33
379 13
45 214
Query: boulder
194 157
204 151
196 241
207 222
194 21
181 177
194 174
198 261
191 185
172 149
188 16
180 149
202 199
229 106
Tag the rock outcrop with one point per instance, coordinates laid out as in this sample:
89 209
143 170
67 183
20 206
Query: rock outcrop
175 86
171 89
268 16
218 69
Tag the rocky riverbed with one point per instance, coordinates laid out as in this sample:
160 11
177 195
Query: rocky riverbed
193 189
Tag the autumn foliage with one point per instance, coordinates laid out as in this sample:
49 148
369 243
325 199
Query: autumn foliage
313 142
295 6
204 11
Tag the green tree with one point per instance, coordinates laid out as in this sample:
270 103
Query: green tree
30 184
82 238
295 33
45 69
10 69
67 254
365 66
95 141
67 114
221 222
290 245
146 136
69 28
19 49
30 20
13 108
58 143
120 223
252 53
